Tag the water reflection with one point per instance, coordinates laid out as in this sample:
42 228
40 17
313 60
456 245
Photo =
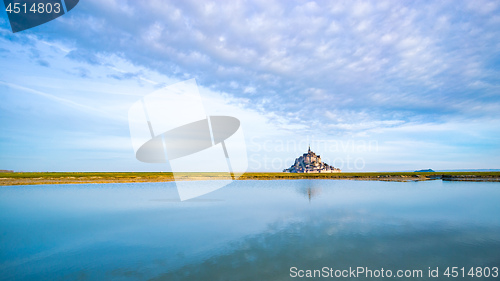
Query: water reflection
341 240
249 230
310 189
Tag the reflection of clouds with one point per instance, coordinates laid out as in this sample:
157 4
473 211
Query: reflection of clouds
250 230
331 240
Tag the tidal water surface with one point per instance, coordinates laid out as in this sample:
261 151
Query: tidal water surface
248 230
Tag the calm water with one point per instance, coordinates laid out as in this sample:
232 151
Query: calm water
249 230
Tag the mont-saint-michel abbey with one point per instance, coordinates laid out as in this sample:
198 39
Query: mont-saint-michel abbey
311 163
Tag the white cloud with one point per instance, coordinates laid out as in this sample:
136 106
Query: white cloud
249 90
360 68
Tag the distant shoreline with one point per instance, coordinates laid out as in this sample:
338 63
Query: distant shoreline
8 179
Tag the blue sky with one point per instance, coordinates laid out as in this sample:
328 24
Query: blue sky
372 85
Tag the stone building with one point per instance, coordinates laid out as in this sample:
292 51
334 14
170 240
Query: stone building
311 163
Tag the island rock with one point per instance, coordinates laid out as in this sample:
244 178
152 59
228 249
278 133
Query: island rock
310 163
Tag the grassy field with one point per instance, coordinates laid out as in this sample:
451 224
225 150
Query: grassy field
100 177
373 175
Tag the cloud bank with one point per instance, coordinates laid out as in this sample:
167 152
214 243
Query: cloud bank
391 71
